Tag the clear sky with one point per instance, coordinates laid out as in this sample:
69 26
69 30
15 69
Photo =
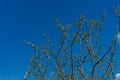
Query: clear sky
27 19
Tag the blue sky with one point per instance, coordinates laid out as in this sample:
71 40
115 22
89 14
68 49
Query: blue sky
27 19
